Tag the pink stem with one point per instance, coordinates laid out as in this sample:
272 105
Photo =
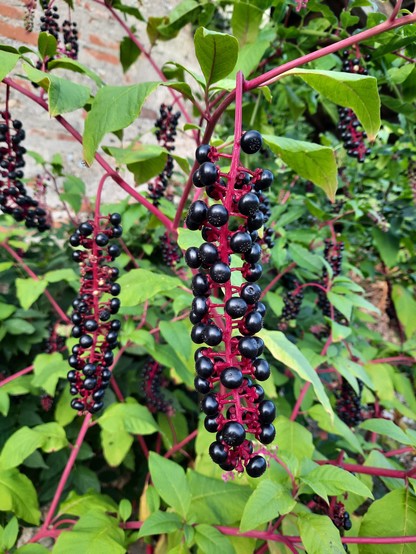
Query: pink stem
399 451
180 444
31 274
405 360
278 277
16 375
368 470
299 400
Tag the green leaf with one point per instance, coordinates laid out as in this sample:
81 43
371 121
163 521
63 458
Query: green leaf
118 5
16 326
48 369
94 532
53 436
405 305
319 535
6 310
268 501
114 108
388 246
335 426
33 549
350 90
215 502
288 354
64 95
47 45
115 446
79 505
186 238
19 446
394 515
129 53
170 482
217 54
293 438
341 303
339 332
159 523
4 403
212 541
7 62
10 533
184 12
58 275
245 22
310 161
29 290
77 67
139 285
125 509
143 160
18 495
304 258
388 428
334 481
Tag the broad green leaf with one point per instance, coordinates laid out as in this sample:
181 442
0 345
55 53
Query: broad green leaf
178 337
245 22
129 53
335 426
47 45
268 501
10 533
131 10
53 436
159 523
17 326
186 238
7 310
7 62
310 161
319 535
79 505
19 446
139 285
143 160
170 482
29 290
125 509
4 403
58 275
388 246
130 416
216 502
405 305
95 532
115 446
18 495
288 354
358 92
64 95
33 549
394 515
114 108
293 438
217 54
304 258
212 541
334 481
349 369
184 12
341 303
339 332
388 428
48 369
77 67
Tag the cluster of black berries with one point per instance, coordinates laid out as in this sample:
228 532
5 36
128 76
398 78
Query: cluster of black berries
171 253
152 388
234 405
29 17
166 135
348 405
55 342
97 333
292 302
336 511
68 45
333 255
350 128
411 173
14 198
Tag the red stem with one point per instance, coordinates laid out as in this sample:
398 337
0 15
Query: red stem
16 375
180 444
278 277
31 274
368 470
299 400
405 360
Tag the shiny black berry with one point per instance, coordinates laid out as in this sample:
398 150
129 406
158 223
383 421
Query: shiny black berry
201 153
233 433
251 142
220 272
208 173
256 466
267 411
236 307
231 378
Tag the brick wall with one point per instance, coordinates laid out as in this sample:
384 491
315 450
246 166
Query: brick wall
99 37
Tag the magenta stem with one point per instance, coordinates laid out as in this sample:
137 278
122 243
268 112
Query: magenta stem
16 375
181 444
299 400
405 360
31 274
368 470
278 277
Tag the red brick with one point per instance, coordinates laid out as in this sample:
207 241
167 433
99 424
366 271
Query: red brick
103 56
95 39
10 11
17 33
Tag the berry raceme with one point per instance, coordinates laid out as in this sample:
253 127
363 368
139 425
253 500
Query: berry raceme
14 197
333 255
171 253
152 388
292 302
348 405
350 128
93 326
226 316
166 135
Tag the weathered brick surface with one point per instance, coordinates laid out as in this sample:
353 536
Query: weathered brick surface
99 37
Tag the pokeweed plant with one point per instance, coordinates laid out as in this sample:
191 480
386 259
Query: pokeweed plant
289 218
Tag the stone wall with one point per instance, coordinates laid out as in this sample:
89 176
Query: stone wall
99 37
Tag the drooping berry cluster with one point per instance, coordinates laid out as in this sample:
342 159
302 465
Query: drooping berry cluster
348 405
29 17
333 255
55 341
66 34
171 253
228 321
97 333
411 173
14 198
335 510
352 133
166 135
292 302
152 388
